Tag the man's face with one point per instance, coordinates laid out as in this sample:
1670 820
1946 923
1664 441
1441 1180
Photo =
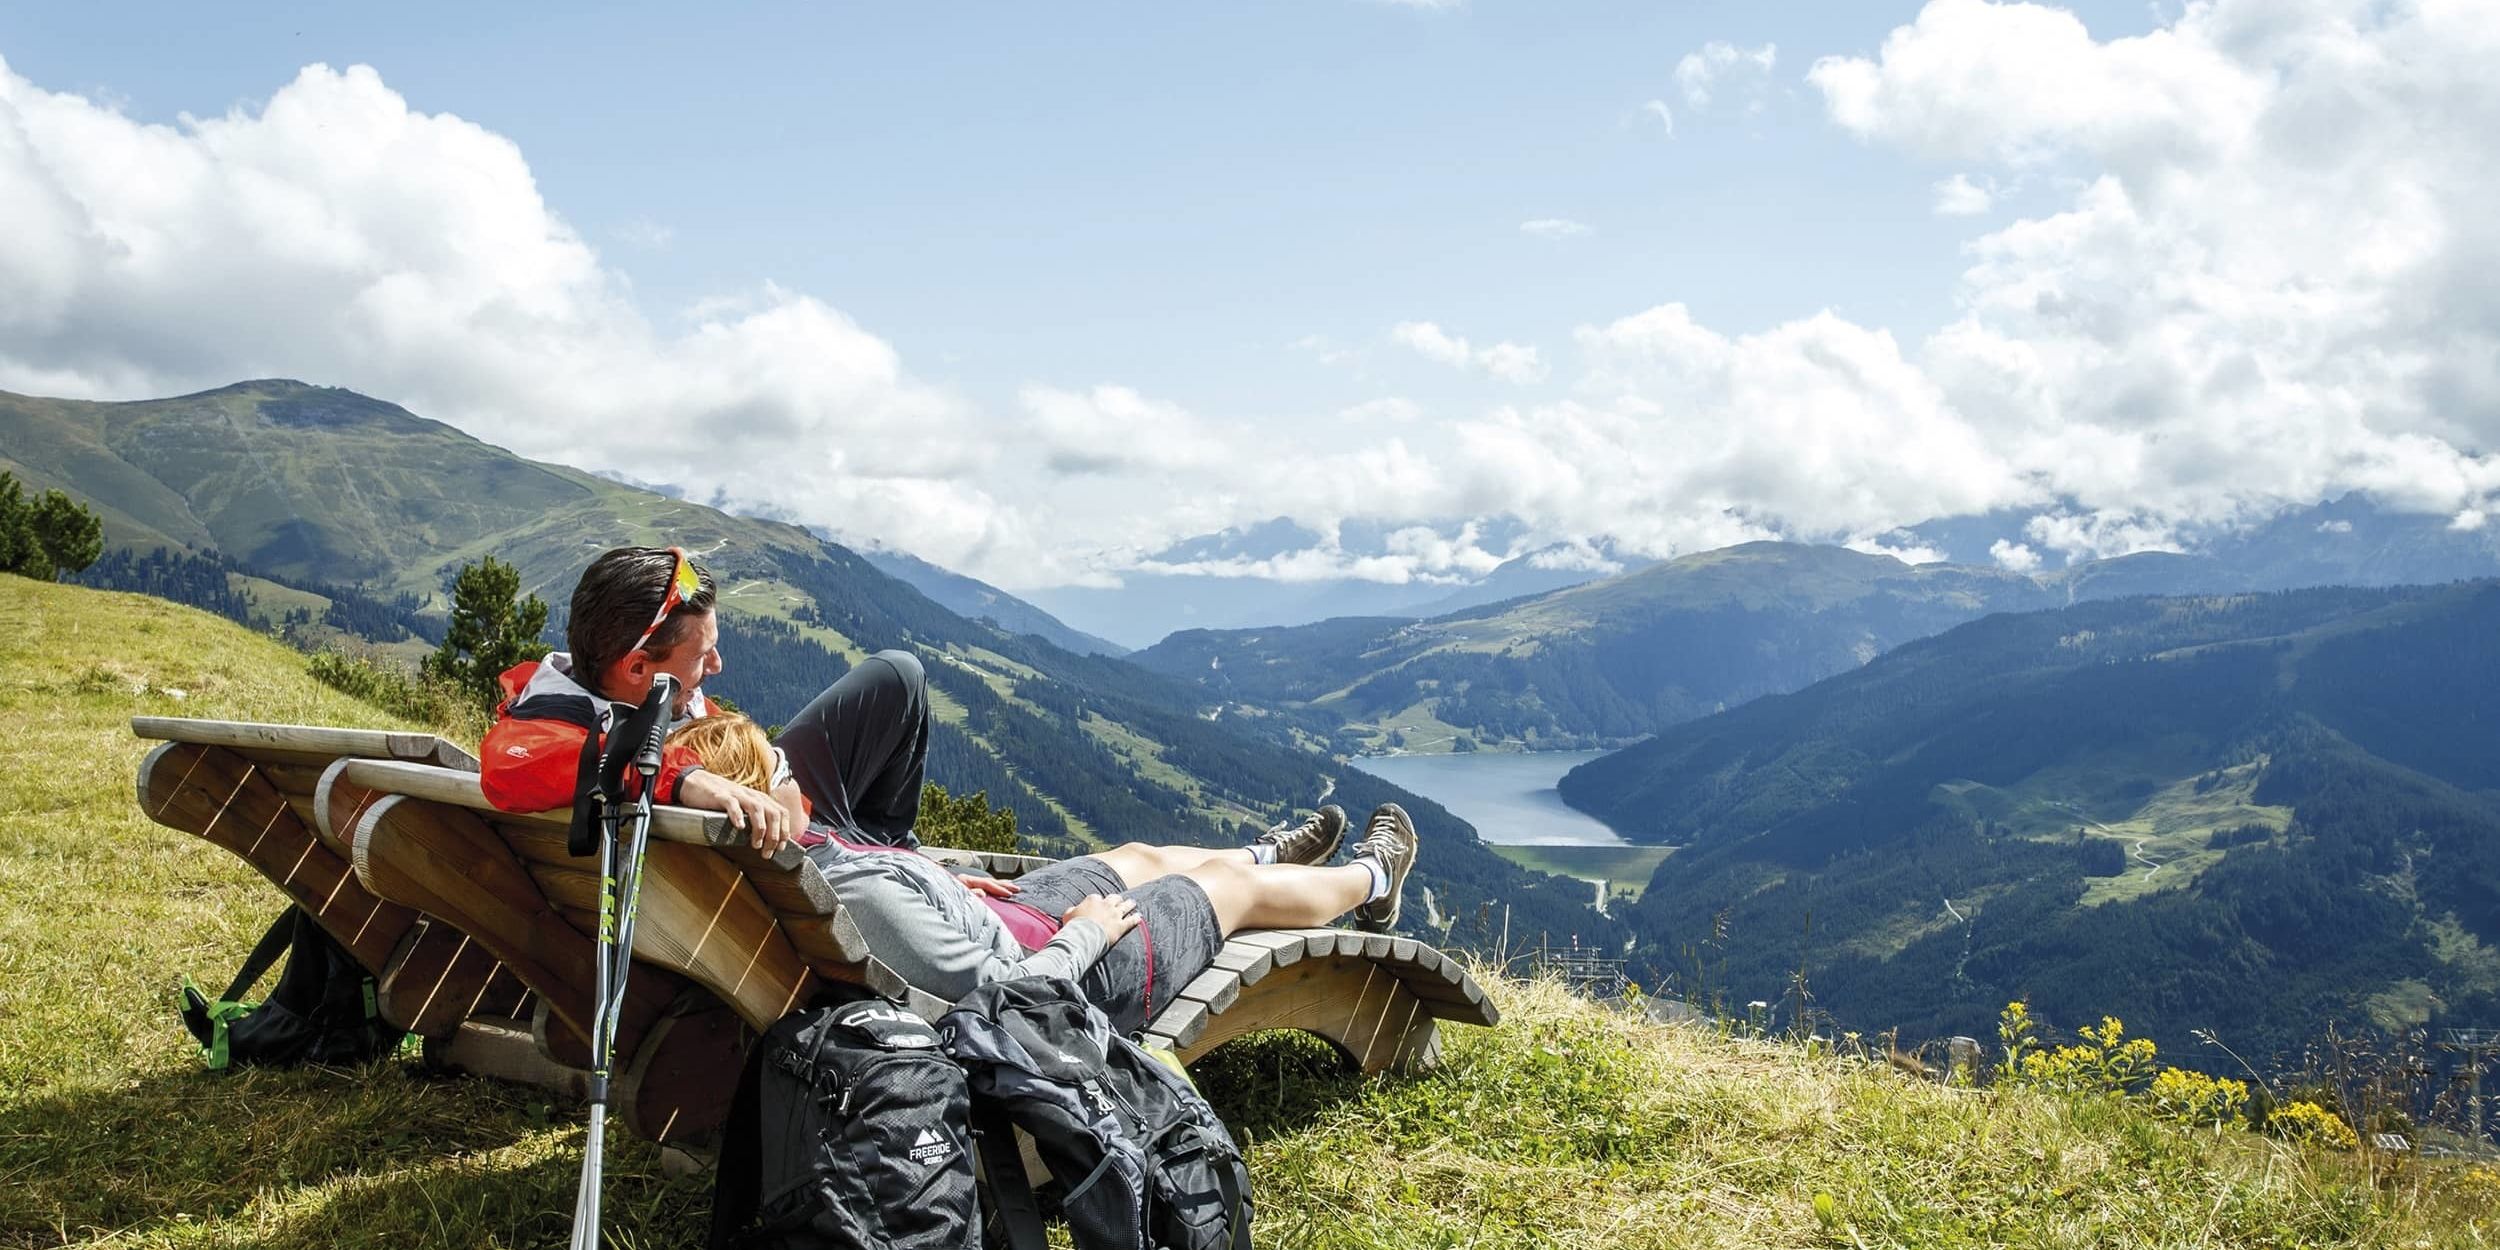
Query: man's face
694 658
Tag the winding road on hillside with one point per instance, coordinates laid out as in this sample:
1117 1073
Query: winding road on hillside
2152 867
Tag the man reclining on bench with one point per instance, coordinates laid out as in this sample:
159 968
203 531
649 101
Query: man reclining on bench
1133 924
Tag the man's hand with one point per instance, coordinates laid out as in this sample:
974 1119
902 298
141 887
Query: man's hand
1116 913
765 820
991 886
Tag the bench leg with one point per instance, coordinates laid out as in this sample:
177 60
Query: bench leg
1359 1006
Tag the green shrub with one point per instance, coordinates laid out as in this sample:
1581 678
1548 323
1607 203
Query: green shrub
401 693
967 823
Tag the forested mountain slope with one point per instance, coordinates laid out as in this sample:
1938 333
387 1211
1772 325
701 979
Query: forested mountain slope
2259 814
264 488
1607 661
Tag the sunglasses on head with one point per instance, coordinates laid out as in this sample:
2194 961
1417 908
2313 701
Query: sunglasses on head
682 585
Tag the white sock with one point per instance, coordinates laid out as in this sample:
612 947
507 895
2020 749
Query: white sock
1262 852
1380 877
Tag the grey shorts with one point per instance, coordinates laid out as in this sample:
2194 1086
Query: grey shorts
1176 937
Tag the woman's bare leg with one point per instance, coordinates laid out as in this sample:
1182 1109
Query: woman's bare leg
1278 896
1141 862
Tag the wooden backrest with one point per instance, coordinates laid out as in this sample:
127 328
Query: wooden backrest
757 931
313 746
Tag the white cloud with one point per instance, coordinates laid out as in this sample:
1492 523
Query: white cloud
2269 287
1958 196
1322 350
2468 520
2334 527
2013 556
1907 553
1554 228
1386 408
1665 115
1511 362
1113 429
2265 284
1718 65
339 235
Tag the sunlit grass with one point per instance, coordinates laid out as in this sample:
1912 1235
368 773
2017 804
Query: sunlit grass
1571 1125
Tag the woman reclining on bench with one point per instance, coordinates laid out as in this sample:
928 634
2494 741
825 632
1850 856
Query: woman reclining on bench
1131 925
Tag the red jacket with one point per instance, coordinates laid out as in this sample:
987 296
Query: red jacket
531 759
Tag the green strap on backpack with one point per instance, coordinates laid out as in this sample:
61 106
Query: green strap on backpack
324 1009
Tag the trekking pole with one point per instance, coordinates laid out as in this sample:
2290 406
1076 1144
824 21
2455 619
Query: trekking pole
635 744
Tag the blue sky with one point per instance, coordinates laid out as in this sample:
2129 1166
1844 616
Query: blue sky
1110 220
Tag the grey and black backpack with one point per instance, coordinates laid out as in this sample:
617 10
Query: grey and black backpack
1139 1159
849 1131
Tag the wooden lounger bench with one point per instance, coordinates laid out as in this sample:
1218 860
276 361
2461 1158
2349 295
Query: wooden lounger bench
727 940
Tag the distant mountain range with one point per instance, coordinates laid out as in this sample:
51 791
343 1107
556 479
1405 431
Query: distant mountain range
348 514
978 600
1605 662
2258 814
1206 582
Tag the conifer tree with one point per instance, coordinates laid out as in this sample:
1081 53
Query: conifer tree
71 536
17 529
47 537
492 629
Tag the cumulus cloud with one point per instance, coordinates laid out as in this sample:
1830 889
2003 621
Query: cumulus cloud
1717 66
2267 289
1113 429
1553 228
2264 282
336 233
1958 196
1511 362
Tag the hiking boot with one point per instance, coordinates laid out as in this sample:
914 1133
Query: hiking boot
1389 840
1313 841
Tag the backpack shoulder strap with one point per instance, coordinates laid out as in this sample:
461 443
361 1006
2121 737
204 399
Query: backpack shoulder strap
274 943
1011 1194
737 1189
1228 1179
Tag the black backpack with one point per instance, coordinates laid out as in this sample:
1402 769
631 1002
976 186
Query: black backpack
849 1131
323 1010
1141 1158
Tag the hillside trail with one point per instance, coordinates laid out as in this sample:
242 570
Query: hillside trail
2152 867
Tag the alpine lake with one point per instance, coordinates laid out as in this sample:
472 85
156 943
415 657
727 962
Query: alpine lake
1511 800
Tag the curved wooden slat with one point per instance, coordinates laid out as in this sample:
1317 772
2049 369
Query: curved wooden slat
307 741
696 917
1349 1000
215 794
442 860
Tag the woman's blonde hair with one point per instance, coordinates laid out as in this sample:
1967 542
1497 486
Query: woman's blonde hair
731 745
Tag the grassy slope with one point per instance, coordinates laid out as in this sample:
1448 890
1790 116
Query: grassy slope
1567 1126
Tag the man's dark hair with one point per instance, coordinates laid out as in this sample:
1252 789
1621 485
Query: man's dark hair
614 601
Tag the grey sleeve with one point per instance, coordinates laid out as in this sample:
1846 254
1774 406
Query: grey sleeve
913 937
919 941
1071 954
